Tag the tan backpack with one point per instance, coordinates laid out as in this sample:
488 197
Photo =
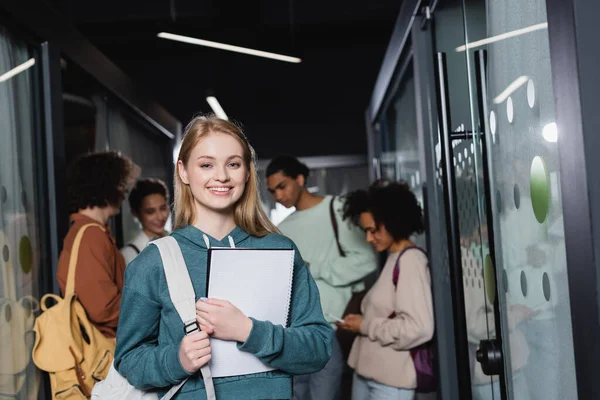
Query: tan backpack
67 346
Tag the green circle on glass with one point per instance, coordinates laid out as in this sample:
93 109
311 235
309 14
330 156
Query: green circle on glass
489 279
540 189
25 254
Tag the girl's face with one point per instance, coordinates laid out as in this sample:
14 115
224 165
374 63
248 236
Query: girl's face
216 173
378 237
153 214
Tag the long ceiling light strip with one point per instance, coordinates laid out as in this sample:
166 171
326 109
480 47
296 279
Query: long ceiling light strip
17 70
216 107
228 47
502 36
510 89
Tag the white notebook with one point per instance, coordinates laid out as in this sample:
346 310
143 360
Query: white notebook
259 283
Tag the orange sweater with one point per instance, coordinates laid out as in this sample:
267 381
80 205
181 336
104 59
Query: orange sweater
99 275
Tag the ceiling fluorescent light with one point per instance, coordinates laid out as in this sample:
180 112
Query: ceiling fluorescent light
17 70
502 36
216 107
228 47
517 83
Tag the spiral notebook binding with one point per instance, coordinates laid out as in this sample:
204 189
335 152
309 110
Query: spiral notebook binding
291 284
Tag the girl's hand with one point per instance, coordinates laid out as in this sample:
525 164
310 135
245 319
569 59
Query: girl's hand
194 351
222 320
351 323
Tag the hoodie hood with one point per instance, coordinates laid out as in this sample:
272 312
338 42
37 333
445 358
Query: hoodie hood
199 238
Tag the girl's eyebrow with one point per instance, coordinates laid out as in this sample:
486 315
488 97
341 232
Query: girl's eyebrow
213 158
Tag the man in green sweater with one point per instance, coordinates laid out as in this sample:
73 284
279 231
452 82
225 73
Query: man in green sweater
338 265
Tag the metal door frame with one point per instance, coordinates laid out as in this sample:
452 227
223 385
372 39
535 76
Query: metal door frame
414 19
574 57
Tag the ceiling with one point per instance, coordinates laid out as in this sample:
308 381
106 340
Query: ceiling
312 108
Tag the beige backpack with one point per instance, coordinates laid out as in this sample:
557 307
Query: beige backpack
67 346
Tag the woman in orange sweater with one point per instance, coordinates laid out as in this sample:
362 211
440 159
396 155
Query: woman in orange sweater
397 313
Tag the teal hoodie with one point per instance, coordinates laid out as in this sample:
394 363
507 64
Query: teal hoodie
150 330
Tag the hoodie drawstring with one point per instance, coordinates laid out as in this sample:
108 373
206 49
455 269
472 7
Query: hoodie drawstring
207 242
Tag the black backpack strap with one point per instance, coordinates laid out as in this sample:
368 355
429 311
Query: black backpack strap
335 228
134 247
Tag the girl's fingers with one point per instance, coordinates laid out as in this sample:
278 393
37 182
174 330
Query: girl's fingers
206 329
204 323
203 360
200 353
204 315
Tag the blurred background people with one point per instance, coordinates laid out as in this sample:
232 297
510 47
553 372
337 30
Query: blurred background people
338 258
149 203
397 312
97 185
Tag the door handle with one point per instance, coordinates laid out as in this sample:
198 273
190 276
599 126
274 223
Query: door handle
452 227
489 355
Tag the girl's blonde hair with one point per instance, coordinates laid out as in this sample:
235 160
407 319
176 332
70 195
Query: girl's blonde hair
248 213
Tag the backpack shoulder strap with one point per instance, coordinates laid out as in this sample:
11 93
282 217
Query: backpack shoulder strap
335 228
180 286
70 288
134 247
183 297
396 274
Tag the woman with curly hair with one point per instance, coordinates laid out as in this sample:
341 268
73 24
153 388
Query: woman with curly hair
397 313
97 185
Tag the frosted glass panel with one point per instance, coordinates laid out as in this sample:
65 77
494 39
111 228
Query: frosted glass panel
524 162
19 221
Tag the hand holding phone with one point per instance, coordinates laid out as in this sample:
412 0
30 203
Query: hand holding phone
335 318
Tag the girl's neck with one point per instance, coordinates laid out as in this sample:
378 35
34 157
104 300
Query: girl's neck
308 200
400 245
152 235
214 223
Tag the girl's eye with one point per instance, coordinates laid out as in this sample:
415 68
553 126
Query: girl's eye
234 165
205 165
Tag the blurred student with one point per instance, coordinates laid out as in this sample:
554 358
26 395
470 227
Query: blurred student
397 312
337 255
97 185
149 203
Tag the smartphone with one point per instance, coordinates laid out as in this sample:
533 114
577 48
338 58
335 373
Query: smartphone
341 321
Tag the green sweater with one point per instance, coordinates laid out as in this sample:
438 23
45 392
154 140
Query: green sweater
337 277
150 330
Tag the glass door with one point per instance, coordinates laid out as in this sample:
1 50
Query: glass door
460 171
499 162
512 101
20 220
489 165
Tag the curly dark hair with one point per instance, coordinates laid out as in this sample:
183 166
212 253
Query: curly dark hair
145 187
98 180
392 204
289 165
